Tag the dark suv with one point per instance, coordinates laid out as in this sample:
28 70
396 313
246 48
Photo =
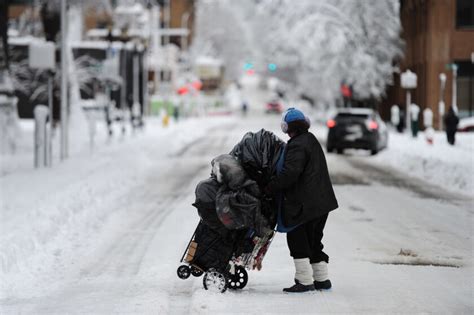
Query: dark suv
357 128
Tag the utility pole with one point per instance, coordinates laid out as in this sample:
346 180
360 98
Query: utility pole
136 106
407 111
441 104
185 24
64 83
454 67
156 43
167 19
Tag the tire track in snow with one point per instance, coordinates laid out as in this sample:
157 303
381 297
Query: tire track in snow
117 257
124 256
132 245
204 142
181 298
390 177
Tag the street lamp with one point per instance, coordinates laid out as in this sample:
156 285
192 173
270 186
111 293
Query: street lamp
408 82
441 105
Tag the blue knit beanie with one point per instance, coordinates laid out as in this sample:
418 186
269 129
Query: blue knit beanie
293 118
293 114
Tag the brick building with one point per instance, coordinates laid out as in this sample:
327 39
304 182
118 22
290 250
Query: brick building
182 15
437 33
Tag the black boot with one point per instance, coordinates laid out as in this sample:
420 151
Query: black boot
299 288
322 285
320 271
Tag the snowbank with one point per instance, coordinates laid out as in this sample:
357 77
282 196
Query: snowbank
451 167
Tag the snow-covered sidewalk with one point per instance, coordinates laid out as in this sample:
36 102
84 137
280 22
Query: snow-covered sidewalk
450 167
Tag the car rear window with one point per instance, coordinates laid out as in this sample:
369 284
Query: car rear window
351 115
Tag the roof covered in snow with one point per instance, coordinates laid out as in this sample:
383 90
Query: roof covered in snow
208 61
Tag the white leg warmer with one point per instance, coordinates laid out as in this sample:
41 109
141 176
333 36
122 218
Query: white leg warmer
304 273
320 271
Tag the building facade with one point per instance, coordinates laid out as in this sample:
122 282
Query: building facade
182 16
438 34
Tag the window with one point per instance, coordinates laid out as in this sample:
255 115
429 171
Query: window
464 14
465 88
351 115
19 2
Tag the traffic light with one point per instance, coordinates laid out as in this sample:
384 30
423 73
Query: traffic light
272 67
248 66
346 90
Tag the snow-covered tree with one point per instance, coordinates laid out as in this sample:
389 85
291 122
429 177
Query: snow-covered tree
319 43
222 33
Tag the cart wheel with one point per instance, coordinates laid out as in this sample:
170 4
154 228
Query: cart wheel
184 272
196 272
239 279
215 281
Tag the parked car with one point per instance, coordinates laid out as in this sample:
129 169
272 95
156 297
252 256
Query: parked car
273 107
466 124
357 128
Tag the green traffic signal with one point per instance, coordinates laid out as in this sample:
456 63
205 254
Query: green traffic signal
248 66
272 67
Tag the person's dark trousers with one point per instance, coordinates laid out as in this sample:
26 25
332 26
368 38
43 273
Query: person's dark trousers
305 241
451 137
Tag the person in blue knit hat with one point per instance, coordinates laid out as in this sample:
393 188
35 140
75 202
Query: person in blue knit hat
308 197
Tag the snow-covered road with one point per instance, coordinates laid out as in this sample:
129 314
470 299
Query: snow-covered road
103 233
393 248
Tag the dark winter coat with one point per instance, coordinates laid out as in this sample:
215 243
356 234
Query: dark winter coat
451 121
305 181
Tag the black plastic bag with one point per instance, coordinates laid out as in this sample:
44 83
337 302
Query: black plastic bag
206 192
228 171
241 209
258 153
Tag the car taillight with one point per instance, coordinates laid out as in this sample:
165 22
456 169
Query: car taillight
373 125
331 123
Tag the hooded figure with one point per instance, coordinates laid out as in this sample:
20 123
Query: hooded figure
308 197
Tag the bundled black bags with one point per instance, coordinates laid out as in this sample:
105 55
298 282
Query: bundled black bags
258 154
231 199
